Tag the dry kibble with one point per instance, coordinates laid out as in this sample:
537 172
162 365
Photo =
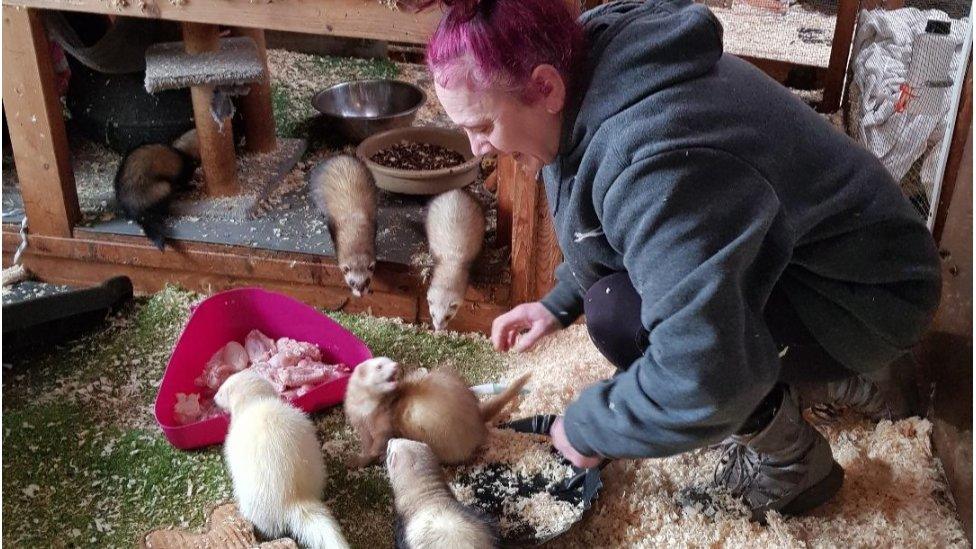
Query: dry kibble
409 155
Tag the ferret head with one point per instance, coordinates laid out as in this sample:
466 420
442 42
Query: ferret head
377 375
242 387
409 463
358 272
443 303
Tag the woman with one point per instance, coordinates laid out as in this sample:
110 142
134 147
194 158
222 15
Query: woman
725 243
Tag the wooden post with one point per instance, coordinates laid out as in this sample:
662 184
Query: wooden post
946 356
259 124
37 134
216 140
840 52
505 178
961 134
535 251
548 255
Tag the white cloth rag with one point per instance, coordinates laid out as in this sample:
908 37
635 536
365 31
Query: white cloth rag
882 54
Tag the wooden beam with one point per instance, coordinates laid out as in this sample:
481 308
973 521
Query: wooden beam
535 251
259 124
548 255
840 51
524 197
352 18
505 177
962 133
90 257
946 356
216 139
36 126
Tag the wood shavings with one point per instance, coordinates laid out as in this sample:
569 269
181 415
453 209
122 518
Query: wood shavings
791 36
894 494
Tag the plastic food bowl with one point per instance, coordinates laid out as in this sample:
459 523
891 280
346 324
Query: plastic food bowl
231 315
421 181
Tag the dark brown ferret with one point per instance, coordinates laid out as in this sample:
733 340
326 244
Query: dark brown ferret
149 177
437 409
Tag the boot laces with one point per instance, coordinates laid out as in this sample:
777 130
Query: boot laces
737 469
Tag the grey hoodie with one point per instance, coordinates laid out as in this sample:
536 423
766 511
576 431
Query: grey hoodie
709 183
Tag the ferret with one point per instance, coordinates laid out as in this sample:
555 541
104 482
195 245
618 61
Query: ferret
427 514
344 191
148 178
276 464
436 408
455 234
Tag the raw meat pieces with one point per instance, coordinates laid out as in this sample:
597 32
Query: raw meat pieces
229 359
293 367
259 346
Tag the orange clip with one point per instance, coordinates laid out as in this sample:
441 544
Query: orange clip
904 96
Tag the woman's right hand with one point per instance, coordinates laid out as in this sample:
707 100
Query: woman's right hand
522 327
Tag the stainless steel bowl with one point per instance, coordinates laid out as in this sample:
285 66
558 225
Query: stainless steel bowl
361 108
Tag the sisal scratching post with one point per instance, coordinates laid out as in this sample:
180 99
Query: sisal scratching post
259 125
216 138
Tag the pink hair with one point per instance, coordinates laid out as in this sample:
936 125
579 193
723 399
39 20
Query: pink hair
496 44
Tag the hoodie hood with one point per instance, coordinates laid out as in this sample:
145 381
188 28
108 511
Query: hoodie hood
634 49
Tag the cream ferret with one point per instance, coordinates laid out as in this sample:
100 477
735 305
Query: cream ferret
276 465
428 516
436 408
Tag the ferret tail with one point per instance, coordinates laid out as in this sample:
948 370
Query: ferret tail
493 406
313 526
155 229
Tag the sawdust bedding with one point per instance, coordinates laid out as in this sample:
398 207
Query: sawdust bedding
517 480
801 35
894 493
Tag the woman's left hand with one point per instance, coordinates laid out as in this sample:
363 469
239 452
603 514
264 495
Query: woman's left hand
559 440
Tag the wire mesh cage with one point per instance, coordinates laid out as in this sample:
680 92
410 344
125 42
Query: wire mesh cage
903 88
799 32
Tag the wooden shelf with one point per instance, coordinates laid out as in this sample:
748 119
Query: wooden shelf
351 18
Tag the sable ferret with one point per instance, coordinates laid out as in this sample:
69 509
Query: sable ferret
343 189
148 178
455 233
275 462
437 409
427 513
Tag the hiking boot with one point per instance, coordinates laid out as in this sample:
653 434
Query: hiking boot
786 466
888 393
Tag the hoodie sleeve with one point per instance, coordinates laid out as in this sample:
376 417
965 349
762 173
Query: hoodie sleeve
693 227
565 300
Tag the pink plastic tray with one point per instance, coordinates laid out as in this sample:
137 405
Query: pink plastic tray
230 316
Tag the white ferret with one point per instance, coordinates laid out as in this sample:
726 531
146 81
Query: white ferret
428 516
455 234
275 462
344 191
